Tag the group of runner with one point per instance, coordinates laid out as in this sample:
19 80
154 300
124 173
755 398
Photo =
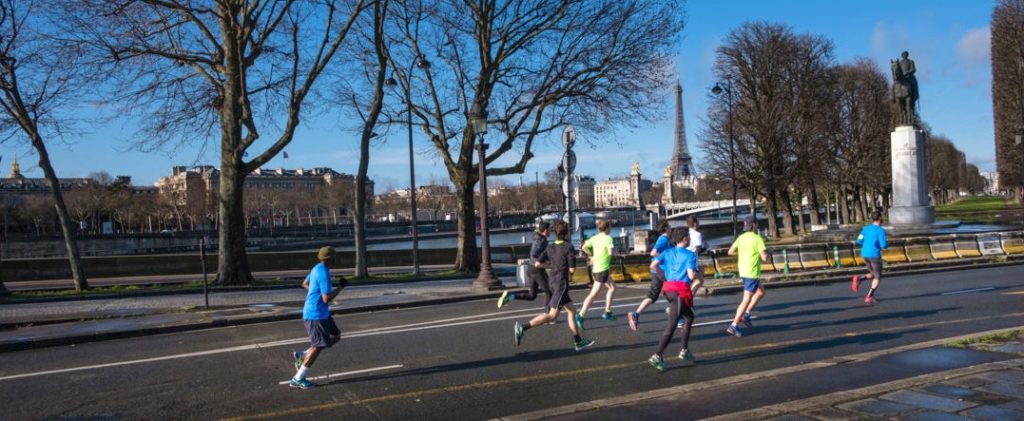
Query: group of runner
675 275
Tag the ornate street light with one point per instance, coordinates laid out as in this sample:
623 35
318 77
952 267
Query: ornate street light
486 278
422 63
717 90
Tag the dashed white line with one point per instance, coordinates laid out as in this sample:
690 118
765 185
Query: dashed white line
349 373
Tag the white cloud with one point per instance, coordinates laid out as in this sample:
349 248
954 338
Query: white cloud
975 46
879 38
973 53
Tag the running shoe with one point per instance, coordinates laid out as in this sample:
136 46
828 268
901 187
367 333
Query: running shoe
680 323
301 384
657 362
505 298
734 331
687 357
746 320
856 283
870 300
519 333
633 318
579 321
583 343
299 357
608 315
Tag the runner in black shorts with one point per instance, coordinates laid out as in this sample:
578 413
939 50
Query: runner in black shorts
537 278
663 243
562 261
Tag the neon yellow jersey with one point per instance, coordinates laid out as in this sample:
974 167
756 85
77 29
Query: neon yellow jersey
749 246
600 248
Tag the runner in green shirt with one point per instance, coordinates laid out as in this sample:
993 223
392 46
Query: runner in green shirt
600 248
750 251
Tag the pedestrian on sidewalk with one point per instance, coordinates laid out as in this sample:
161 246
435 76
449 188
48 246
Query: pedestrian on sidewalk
697 247
323 332
872 242
750 251
536 276
662 244
562 261
599 249
678 266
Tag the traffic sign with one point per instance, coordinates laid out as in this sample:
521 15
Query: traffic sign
568 136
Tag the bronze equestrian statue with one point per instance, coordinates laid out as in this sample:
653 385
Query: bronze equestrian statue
904 89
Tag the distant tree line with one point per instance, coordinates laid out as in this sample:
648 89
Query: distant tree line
807 128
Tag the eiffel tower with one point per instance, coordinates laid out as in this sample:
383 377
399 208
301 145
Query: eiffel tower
682 163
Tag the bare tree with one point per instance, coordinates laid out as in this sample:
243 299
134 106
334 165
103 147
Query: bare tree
368 56
1008 91
530 67
767 65
38 77
200 70
859 128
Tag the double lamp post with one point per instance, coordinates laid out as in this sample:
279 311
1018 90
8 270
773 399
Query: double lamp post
717 90
422 63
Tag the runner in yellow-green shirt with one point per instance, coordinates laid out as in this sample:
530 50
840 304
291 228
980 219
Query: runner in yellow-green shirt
750 251
600 248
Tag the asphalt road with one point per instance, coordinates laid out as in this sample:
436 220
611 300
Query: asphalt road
459 361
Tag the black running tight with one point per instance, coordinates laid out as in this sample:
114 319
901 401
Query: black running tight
676 308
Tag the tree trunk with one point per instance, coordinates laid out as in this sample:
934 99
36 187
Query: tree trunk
844 207
814 206
467 257
828 207
359 208
773 212
66 224
787 213
232 263
800 212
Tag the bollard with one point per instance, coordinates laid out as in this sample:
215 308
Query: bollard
785 261
202 258
835 255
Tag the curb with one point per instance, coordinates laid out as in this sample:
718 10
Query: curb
760 413
214 290
782 283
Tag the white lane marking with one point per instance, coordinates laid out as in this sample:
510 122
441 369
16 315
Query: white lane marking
349 373
457 321
965 291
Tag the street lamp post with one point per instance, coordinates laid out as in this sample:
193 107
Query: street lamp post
732 151
485 279
718 205
422 63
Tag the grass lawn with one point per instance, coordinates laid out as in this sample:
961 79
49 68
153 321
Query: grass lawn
973 209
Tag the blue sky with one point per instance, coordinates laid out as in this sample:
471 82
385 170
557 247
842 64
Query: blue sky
948 39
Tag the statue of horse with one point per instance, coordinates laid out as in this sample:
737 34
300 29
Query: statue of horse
904 95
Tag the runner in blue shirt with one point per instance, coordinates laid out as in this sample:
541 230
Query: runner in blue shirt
323 332
872 242
663 243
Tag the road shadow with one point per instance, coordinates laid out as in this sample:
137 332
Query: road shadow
519 358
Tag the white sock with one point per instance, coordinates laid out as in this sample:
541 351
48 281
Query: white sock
301 374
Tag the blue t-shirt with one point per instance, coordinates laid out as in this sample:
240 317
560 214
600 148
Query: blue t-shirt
319 284
872 241
661 245
675 262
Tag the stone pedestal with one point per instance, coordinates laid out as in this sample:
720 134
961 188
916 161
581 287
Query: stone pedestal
909 179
